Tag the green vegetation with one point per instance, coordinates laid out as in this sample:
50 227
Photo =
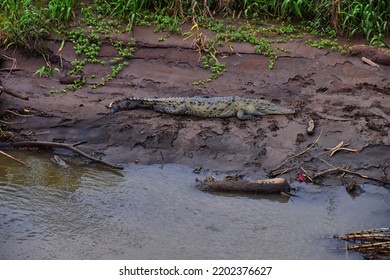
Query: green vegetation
46 71
324 43
23 21
26 22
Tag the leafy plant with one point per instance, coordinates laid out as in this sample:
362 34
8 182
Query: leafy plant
325 43
24 22
46 71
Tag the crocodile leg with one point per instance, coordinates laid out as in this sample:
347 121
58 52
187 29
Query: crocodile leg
242 115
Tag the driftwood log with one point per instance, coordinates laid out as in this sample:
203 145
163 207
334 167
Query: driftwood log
266 186
378 55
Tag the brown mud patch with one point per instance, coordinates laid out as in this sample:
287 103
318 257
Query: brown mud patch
348 100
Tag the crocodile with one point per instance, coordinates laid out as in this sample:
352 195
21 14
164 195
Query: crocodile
205 107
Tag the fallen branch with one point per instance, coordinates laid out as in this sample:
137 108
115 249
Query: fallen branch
10 69
11 157
14 93
343 170
275 185
72 148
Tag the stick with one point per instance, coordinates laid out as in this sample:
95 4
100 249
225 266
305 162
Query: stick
17 114
370 62
307 174
63 146
14 93
305 150
343 170
11 157
10 69
278 171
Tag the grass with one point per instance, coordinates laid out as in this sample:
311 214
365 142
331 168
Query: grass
25 22
22 22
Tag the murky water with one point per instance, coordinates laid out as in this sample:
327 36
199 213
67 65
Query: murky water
149 212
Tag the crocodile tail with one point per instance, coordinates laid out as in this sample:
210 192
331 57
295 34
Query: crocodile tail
122 105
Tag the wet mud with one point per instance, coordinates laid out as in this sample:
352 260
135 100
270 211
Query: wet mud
348 100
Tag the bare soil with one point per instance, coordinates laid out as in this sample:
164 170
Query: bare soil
348 100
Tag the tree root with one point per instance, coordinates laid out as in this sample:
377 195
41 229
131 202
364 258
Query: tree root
72 148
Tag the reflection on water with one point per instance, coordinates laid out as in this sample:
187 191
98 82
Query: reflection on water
149 212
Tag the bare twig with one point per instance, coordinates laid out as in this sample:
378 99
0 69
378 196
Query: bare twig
5 122
13 63
11 157
307 149
10 69
339 147
307 174
324 161
278 171
343 170
17 114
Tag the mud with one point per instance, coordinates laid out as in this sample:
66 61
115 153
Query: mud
348 100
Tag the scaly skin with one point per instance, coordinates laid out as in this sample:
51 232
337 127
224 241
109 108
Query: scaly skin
212 107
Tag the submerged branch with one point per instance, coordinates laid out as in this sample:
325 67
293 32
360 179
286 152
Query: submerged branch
63 146
11 157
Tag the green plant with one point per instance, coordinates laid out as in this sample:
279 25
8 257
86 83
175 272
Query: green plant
78 66
77 84
206 49
60 12
378 40
23 22
325 43
46 71
20 23
87 44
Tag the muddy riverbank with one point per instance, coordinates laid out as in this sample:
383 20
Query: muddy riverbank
348 100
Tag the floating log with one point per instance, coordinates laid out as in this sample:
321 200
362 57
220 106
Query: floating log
266 186
375 54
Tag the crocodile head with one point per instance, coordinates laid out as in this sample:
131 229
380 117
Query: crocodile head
268 108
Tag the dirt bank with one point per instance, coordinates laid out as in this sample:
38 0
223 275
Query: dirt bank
348 100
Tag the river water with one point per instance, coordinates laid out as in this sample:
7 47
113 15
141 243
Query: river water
156 212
